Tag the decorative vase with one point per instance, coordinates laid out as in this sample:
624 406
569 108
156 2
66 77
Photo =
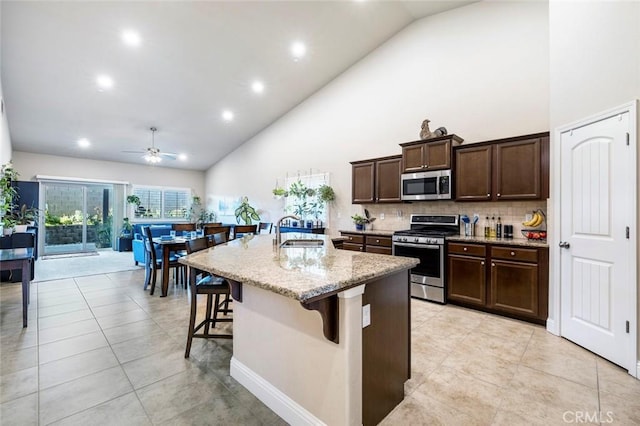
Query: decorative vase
359 226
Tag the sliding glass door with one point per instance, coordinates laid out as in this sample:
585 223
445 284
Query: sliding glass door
78 217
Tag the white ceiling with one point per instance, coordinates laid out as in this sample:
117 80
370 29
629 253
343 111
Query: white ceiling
196 59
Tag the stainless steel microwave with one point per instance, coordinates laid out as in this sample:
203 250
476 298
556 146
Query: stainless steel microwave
435 185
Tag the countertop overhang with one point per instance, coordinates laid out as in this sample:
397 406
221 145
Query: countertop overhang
304 274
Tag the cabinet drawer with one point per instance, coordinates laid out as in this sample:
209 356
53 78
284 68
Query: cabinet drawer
513 253
354 247
373 240
354 238
378 249
467 249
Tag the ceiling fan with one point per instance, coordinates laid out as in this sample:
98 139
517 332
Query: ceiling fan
152 154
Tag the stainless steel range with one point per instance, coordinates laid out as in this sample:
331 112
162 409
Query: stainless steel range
425 241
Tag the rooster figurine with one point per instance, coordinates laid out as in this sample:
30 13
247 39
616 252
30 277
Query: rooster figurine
425 133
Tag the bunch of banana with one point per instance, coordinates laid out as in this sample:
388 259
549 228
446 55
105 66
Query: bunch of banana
536 220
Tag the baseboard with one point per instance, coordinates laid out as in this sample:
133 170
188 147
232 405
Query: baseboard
638 370
552 327
272 397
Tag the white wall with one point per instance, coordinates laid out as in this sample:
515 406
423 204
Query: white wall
29 165
481 71
594 64
5 137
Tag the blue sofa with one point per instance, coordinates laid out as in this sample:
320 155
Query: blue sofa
137 245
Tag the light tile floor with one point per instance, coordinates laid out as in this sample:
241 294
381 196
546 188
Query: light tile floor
100 350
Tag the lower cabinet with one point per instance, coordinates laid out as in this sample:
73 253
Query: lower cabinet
517 277
370 243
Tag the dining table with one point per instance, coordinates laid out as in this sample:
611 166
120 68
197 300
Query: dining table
19 258
169 245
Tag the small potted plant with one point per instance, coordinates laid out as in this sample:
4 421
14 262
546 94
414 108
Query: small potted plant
127 228
326 193
359 221
279 192
23 217
246 212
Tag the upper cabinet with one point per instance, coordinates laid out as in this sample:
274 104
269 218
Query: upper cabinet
506 169
428 154
376 180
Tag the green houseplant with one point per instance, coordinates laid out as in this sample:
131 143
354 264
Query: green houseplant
246 212
8 195
127 228
359 221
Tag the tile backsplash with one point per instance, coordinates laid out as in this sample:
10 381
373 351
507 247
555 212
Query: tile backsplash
397 216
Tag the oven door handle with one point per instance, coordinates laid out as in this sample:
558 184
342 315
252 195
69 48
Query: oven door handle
426 246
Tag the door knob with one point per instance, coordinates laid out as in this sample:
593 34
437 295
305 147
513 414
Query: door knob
564 244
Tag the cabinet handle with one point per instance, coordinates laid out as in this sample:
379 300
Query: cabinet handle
377 241
464 248
426 166
482 263
361 248
493 264
513 253
498 194
489 195
350 238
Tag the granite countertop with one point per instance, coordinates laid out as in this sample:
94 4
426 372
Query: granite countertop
382 232
298 273
510 242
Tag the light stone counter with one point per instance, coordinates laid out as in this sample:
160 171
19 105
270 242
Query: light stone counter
523 242
298 273
382 232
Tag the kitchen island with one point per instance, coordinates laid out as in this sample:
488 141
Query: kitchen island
300 344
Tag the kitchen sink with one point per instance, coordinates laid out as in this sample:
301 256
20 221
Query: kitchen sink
302 243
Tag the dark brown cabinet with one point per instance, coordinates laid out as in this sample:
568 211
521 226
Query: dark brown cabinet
370 243
518 279
507 169
467 274
376 180
429 154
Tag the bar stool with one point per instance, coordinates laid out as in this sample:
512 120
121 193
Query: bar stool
265 226
211 286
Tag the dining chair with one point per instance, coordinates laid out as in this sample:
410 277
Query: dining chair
153 263
183 227
217 238
202 282
240 230
210 230
265 226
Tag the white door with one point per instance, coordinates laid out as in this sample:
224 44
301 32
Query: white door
597 271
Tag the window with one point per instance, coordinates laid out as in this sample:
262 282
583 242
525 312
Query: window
306 206
161 203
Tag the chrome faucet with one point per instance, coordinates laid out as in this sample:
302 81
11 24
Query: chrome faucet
278 224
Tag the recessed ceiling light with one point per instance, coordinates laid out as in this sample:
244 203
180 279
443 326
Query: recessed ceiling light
104 82
83 143
131 38
227 115
257 86
298 50
182 157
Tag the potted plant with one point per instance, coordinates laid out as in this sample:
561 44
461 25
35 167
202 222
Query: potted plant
24 216
127 228
359 221
206 216
246 212
326 193
279 192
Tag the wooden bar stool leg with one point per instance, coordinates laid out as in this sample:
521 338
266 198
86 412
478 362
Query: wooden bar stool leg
208 314
215 310
192 322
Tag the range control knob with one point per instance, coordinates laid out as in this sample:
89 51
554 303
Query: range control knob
416 240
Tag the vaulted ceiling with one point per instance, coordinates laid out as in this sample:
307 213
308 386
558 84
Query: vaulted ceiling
193 61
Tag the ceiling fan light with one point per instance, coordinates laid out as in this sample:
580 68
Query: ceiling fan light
152 158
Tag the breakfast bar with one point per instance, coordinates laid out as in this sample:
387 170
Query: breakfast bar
320 335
